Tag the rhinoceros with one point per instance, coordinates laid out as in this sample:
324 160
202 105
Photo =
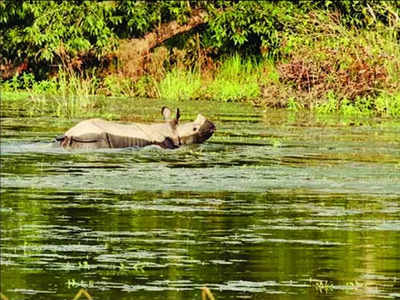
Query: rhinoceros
98 133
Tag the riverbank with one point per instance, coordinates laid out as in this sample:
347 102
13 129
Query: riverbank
325 63
262 84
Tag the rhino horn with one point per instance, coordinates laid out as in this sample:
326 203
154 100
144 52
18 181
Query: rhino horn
195 132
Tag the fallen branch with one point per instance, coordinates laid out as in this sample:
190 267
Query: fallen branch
2 297
133 53
206 294
82 292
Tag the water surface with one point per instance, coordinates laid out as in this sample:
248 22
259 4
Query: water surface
276 205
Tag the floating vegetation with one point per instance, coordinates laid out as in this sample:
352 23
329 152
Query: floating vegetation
321 286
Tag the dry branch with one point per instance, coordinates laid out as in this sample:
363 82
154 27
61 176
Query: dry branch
134 53
84 293
206 294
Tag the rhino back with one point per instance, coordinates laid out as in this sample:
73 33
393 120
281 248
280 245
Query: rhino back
92 126
98 133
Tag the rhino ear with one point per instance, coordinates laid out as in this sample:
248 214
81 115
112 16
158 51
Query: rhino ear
166 113
200 119
178 115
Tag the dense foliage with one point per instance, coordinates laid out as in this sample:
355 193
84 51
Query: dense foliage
40 30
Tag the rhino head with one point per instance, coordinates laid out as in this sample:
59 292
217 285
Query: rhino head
195 132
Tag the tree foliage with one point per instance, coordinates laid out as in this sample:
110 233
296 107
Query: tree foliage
41 31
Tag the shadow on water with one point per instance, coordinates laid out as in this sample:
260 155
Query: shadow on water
271 206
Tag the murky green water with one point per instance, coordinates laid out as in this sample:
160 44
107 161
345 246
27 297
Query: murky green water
274 206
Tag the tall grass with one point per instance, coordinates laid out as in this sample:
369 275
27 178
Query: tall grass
235 80
69 94
179 84
76 93
388 105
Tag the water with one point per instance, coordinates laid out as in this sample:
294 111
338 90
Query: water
275 205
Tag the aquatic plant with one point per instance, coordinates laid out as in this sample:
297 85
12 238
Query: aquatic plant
321 286
355 285
72 283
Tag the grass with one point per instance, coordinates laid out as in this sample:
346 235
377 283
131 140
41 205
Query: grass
384 105
388 104
69 95
235 80
180 85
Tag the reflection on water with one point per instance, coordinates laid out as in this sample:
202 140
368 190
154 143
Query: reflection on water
269 207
